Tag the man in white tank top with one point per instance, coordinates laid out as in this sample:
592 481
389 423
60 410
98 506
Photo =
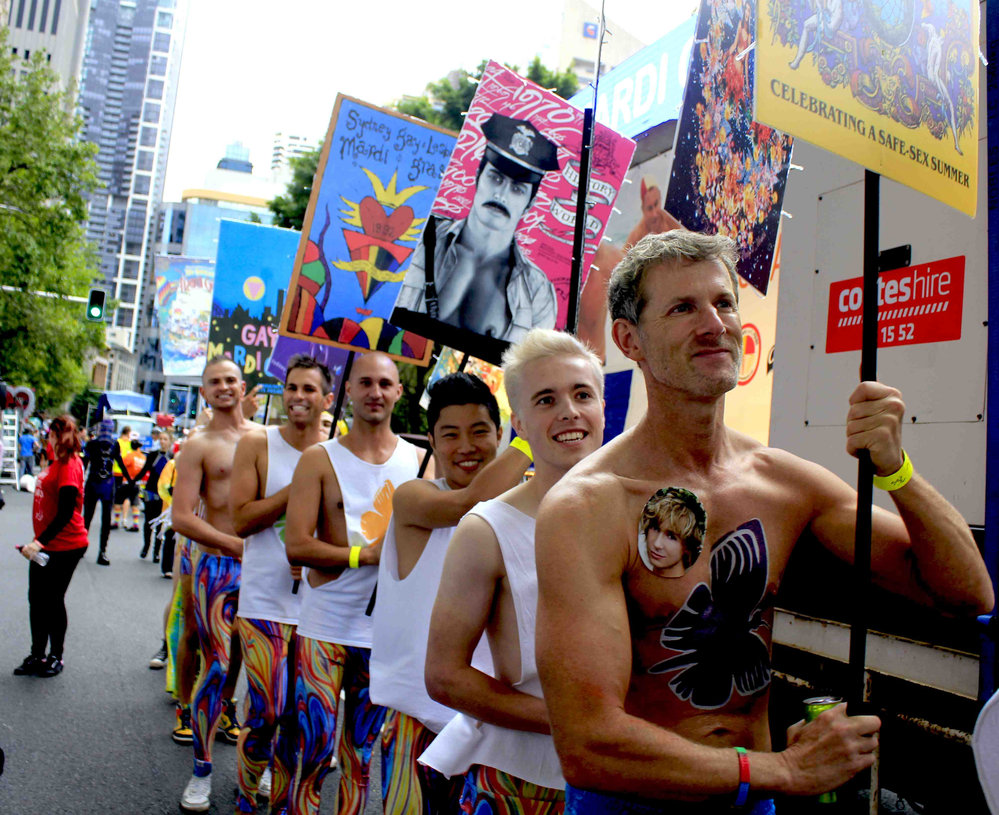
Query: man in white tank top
338 510
464 432
501 739
269 598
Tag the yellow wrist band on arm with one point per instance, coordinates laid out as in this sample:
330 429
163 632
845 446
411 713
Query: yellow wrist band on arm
898 479
354 559
519 443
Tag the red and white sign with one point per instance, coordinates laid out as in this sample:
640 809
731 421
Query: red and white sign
915 305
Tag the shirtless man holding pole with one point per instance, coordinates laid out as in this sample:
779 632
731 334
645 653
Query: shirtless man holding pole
204 471
657 682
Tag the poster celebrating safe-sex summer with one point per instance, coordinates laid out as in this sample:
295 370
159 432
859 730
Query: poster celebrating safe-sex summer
728 172
183 307
377 177
251 272
505 215
891 85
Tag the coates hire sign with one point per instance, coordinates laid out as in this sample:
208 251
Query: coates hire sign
915 305
647 88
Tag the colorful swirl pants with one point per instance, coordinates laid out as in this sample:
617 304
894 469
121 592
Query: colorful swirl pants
408 787
322 670
269 711
492 792
216 595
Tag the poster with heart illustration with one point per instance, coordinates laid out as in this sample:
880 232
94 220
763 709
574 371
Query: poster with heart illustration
377 177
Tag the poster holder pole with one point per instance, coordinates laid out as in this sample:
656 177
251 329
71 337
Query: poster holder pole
857 690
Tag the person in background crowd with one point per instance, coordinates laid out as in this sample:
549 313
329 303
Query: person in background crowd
99 455
61 535
27 444
152 470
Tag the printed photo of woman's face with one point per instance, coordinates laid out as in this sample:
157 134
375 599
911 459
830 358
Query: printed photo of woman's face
671 532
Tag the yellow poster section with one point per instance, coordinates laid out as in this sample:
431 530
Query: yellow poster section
797 101
747 408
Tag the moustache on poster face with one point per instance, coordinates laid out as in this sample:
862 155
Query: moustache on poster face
497 206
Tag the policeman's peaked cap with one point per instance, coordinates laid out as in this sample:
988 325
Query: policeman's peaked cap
518 149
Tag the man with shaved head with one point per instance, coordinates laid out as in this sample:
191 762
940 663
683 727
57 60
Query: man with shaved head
338 510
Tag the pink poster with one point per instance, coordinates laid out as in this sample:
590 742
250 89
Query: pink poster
505 215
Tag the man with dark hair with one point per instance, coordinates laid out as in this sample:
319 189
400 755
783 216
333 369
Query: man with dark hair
657 685
204 470
269 601
482 282
464 431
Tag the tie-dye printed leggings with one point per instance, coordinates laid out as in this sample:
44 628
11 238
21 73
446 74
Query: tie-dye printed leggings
322 669
216 596
492 792
408 787
269 709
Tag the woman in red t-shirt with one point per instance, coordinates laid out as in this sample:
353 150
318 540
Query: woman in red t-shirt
60 533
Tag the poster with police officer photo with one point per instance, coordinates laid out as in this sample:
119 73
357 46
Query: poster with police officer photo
504 219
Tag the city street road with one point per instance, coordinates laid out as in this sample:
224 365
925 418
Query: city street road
96 738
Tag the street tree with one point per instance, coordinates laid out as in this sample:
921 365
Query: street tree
46 173
289 209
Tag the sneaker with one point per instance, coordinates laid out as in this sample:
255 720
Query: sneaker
264 785
182 733
196 797
102 559
131 529
228 725
50 666
159 659
30 666
167 575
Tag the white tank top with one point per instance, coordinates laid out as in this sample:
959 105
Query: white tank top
402 624
466 741
336 611
266 589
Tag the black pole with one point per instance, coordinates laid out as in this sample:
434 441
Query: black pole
341 391
865 469
579 233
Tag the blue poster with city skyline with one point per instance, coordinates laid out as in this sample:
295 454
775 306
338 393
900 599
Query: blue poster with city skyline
252 269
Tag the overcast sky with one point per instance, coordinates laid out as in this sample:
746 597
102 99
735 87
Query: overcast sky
251 68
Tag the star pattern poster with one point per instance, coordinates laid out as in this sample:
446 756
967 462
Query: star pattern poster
376 180
729 172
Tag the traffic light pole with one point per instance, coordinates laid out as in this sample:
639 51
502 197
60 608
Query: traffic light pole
71 297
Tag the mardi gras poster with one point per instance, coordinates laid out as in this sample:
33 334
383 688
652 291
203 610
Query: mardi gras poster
890 84
505 216
728 172
449 361
251 272
183 306
377 177
285 348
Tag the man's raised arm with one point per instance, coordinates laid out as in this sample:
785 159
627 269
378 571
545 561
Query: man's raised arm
251 512
315 491
472 569
927 554
420 504
584 660
187 493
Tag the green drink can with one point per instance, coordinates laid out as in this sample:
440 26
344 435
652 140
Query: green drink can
813 707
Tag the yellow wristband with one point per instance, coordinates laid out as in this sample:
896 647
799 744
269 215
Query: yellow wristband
520 443
898 479
354 560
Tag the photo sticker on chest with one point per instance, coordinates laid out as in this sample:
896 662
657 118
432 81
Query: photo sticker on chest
671 532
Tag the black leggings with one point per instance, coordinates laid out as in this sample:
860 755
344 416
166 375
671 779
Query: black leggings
92 493
153 510
47 600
